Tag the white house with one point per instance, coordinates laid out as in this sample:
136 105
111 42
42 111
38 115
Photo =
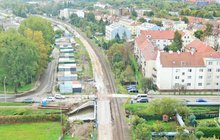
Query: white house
80 13
179 25
65 13
112 30
187 70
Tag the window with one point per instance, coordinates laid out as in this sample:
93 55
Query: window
209 77
188 84
209 63
182 81
209 70
200 70
217 77
189 70
177 70
177 77
199 84
200 77
189 77
217 84
217 70
207 84
183 73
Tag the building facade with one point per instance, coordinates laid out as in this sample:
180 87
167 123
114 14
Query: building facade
112 30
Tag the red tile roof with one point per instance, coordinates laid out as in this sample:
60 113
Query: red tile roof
148 50
199 46
135 23
186 59
165 34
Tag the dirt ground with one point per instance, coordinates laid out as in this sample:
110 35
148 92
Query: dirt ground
77 127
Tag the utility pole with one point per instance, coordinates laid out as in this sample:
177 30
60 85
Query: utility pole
5 88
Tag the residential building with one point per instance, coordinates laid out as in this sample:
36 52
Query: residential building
198 46
130 24
112 30
187 70
65 13
179 25
147 26
145 53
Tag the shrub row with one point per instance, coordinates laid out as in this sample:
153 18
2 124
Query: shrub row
210 131
150 117
28 119
205 116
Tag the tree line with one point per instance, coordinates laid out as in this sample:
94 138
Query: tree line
24 52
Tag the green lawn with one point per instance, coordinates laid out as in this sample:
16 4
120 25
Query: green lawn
167 126
207 122
23 88
31 131
135 107
13 104
86 63
25 111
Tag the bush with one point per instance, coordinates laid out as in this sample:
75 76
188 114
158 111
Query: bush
199 134
205 116
210 131
27 119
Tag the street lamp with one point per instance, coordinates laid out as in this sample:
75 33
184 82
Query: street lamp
5 88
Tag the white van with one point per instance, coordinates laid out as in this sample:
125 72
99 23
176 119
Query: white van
139 96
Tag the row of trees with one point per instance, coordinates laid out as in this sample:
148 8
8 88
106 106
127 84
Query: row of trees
89 24
24 52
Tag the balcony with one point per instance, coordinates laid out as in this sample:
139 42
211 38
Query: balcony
154 69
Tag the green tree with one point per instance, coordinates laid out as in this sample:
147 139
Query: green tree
147 85
168 106
209 29
142 20
185 19
143 132
18 58
192 120
199 34
90 17
199 134
42 48
38 24
177 42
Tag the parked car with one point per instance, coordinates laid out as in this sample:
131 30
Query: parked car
142 100
28 100
59 96
200 100
133 90
50 99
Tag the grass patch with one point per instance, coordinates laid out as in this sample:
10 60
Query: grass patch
26 111
31 131
13 104
68 137
135 66
10 89
135 107
203 109
83 58
167 126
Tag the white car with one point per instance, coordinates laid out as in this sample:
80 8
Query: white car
59 96
50 99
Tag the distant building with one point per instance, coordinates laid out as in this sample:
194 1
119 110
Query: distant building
179 25
147 26
112 30
66 13
130 24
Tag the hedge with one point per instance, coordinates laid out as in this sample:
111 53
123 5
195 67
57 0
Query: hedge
210 131
150 117
28 119
205 116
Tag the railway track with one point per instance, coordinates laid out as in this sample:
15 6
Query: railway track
120 131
